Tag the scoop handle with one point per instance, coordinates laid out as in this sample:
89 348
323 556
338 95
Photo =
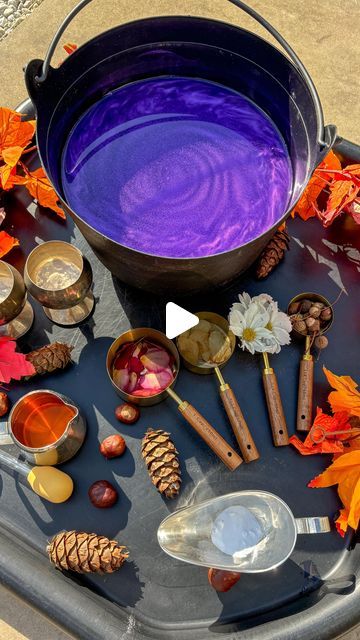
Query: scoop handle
305 394
241 430
275 409
212 438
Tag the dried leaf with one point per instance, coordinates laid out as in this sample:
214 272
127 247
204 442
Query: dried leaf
305 208
40 188
15 135
70 47
337 422
7 243
345 472
345 397
13 365
2 214
343 191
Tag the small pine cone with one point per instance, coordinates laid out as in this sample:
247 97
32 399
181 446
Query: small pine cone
85 552
272 254
50 358
162 462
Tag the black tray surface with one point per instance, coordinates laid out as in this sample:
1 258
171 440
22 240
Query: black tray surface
313 595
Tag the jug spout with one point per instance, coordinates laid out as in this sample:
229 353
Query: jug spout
319 524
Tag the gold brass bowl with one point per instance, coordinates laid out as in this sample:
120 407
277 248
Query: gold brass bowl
59 277
133 335
16 313
222 323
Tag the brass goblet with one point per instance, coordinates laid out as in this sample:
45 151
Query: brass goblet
59 277
16 313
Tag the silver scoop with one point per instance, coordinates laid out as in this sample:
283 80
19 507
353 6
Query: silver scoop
188 533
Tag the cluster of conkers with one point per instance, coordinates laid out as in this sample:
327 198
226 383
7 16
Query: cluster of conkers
102 494
311 317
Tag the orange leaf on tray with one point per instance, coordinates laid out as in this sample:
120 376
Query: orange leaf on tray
7 243
40 188
345 472
15 135
13 365
345 397
305 207
337 422
343 191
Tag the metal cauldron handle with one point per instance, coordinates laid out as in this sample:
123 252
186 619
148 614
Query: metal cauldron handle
326 135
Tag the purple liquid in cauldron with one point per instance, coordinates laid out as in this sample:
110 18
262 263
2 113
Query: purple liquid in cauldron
177 167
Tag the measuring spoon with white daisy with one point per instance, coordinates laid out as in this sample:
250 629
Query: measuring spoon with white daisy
262 328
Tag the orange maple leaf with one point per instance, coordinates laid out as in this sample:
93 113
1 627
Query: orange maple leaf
305 207
343 191
345 397
15 135
345 472
7 243
324 424
40 188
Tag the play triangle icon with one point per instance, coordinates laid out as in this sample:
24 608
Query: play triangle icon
178 320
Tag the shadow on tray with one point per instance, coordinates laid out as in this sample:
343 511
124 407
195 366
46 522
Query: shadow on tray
311 586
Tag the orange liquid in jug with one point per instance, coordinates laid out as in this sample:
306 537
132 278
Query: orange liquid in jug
41 421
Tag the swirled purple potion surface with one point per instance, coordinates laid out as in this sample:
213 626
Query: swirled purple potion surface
177 167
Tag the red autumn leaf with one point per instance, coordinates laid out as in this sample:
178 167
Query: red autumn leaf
13 365
7 243
40 188
305 208
15 135
337 422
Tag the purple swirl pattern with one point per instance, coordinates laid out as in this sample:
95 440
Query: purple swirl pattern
177 167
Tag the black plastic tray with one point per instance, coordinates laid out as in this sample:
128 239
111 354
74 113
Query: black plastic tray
315 593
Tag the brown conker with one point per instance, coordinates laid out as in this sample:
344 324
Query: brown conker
294 308
113 446
102 494
127 413
4 404
222 580
305 306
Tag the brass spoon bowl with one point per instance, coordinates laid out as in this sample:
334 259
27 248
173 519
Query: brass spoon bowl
314 297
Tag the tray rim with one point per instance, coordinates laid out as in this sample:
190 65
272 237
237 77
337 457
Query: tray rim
85 614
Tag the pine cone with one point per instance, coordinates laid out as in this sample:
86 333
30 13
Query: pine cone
85 552
50 358
272 254
162 462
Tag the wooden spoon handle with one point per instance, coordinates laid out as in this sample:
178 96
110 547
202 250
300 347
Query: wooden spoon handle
238 423
212 438
305 394
275 409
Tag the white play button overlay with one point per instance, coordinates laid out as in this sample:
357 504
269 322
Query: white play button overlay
178 320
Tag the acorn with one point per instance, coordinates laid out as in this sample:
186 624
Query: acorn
300 326
326 314
294 308
314 311
321 342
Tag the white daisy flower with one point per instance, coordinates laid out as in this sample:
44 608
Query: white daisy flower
280 326
248 322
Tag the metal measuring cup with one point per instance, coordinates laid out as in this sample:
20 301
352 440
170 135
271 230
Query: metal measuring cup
306 372
236 418
204 429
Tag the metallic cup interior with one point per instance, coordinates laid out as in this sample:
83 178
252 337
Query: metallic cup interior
220 321
316 297
13 304
57 452
71 295
133 335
